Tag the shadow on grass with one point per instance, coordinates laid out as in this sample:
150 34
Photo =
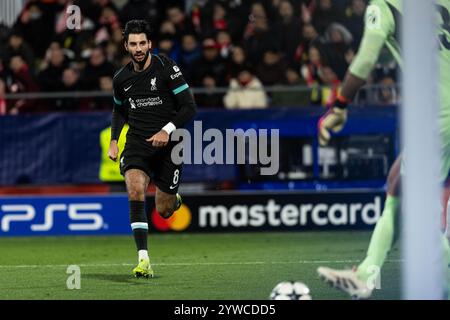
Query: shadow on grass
119 278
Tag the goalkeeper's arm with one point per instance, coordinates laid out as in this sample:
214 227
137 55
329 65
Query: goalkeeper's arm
355 78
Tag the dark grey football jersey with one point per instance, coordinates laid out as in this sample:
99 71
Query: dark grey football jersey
149 97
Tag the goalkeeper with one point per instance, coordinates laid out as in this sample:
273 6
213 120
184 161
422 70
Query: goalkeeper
381 28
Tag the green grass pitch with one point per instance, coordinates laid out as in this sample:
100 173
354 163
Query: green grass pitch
187 266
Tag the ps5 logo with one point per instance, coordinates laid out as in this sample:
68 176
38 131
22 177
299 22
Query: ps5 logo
15 213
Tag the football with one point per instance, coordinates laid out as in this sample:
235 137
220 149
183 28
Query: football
290 290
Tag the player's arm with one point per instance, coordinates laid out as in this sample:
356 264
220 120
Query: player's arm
378 26
184 98
118 120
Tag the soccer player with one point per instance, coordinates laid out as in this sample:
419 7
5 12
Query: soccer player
381 28
151 95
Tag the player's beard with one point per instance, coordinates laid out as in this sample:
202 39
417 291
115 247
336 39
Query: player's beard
143 61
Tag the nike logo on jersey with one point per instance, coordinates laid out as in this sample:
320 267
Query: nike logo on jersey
126 89
173 187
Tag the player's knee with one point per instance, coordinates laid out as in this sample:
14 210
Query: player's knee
136 195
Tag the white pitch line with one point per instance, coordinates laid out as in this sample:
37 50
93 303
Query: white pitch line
186 264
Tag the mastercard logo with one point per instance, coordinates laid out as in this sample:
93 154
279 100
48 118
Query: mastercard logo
179 221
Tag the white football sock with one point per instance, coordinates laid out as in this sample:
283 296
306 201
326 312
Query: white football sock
143 254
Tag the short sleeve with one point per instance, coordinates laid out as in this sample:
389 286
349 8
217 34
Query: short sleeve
379 19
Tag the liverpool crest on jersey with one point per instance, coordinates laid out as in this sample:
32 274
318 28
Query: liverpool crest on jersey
153 84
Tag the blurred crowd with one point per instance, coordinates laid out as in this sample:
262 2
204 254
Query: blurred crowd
243 45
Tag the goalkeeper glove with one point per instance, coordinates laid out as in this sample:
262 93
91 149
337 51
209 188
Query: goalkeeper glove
333 120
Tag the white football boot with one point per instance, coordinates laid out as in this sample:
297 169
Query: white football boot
345 280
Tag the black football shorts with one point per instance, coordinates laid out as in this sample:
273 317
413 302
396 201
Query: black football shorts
155 162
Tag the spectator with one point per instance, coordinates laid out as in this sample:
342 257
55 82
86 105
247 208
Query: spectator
190 52
77 45
210 63
330 85
3 104
143 10
258 36
309 34
70 82
50 77
223 39
386 67
325 14
289 29
36 22
112 54
338 45
92 9
5 73
96 68
245 92
115 49
177 17
238 12
210 98
387 94
230 43
22 81
293 77
17 46
272 69
215 22
354 21
108 21
310 70
168 46
168 27
106 85
238 60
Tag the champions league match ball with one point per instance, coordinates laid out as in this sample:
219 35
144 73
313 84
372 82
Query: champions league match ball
290 290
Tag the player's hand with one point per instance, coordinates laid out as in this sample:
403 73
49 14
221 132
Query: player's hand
159 139
333 120
113 150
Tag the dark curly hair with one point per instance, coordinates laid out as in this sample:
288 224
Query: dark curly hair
136 27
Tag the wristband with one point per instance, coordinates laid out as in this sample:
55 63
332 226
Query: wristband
169 128
341 102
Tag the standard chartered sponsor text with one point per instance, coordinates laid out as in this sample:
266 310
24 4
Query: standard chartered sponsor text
148 102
